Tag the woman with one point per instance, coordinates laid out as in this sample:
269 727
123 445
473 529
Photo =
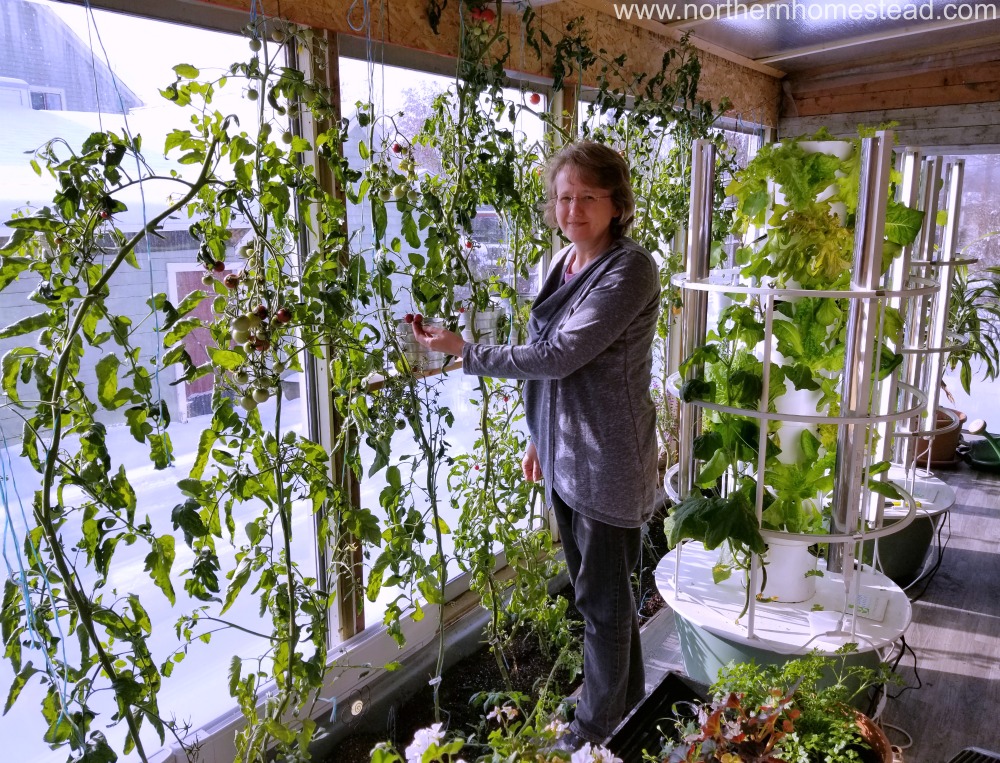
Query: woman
587 366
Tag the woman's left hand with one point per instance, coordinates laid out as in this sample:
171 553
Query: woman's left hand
438 339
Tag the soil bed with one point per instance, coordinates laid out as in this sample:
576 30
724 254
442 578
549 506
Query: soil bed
527 665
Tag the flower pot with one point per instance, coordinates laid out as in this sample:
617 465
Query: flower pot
943 448
872 734
484 326
788 564
418 357
640 730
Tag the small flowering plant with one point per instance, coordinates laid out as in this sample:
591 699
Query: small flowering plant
429 746
510 738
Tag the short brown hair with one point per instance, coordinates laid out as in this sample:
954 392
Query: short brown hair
600 166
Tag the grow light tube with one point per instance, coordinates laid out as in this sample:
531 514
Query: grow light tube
875 162
755 561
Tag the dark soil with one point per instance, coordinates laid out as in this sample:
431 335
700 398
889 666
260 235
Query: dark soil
527 665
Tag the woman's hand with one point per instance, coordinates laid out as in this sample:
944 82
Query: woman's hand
438 339
530 464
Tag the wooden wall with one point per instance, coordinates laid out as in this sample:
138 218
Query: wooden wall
755 94
946 101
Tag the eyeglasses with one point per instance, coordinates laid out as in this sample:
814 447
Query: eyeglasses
581 201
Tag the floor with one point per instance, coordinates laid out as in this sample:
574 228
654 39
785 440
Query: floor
951 670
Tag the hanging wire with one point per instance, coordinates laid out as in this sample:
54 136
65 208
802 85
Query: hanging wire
157 330
21 578
365 16
14 558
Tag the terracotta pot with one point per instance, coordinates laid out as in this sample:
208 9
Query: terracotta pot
943 446
875 737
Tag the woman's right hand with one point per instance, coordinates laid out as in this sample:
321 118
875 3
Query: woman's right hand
530 464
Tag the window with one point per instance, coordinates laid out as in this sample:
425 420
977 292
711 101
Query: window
980 217
42 100
494 246
197 691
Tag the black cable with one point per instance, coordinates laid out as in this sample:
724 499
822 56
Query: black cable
929 575
904 649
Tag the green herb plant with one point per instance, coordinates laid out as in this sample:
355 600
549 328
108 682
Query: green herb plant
800 710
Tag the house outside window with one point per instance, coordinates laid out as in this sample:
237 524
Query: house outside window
46 100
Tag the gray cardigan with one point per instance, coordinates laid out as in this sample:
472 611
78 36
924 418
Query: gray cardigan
588 364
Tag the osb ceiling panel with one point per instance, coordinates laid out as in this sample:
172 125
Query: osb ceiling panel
799 35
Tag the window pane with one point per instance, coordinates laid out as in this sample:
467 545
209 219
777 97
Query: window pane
54 54
491 245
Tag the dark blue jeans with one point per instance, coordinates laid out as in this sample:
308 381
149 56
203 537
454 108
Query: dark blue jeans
601 558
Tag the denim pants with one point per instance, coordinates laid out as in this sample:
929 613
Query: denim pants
601 558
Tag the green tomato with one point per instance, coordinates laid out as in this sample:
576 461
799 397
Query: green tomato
242 323
385 194
252 94
255 45
400 191
248 403
242 377
261 395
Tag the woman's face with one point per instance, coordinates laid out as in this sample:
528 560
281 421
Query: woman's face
584 212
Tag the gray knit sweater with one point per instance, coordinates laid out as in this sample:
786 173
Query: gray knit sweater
588 365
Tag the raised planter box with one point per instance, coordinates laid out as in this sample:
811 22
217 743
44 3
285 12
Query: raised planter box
641 729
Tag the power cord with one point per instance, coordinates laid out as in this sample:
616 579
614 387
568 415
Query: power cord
882 695
928 576
904 648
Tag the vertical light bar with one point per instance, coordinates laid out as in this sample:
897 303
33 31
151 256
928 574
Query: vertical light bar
954 173
859 357
909 192
695 303
918 315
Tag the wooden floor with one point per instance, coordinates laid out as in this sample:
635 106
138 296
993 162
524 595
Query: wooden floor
955 636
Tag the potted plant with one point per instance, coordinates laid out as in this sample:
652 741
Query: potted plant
802 710
250 474
974 328
974 316
807 246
